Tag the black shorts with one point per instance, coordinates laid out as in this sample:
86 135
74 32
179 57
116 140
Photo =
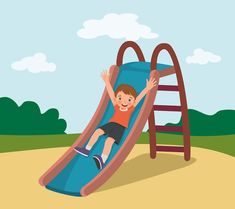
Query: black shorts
113 130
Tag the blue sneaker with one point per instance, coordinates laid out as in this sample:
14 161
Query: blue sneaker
81 150
98 161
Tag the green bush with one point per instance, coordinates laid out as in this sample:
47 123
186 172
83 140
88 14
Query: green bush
221 123
27 119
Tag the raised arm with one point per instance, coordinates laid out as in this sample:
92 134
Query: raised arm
149 85
106 79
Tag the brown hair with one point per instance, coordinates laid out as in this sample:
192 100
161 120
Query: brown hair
127 89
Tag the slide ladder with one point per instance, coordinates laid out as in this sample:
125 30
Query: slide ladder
153 128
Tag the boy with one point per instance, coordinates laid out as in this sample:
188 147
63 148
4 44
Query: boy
124 100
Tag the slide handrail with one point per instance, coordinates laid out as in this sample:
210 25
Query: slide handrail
126 45
170 50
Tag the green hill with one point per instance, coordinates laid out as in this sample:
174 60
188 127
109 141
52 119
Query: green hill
221 123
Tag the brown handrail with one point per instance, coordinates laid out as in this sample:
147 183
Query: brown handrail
123 48
183 101
169 49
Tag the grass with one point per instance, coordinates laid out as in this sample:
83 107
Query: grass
224 144
9 143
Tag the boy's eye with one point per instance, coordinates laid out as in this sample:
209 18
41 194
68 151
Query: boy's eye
130 99
119 98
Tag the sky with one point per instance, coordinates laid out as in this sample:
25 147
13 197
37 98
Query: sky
48 55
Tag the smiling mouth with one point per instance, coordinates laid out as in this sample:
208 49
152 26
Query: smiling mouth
124 105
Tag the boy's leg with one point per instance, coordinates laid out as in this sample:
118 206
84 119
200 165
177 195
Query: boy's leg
107 148
99 132
85 151
100 160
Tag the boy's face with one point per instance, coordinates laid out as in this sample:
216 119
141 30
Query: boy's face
124 100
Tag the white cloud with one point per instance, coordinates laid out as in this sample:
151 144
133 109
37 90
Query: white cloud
116 26
202 57
34 64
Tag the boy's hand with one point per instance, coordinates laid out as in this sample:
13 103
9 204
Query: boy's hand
150 83
105 75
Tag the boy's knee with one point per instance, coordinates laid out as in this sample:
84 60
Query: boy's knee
110 140
99 132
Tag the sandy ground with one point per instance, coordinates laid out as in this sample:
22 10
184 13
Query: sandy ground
207 181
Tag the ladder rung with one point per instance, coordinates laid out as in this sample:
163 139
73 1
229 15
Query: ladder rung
167 107
169 148
169 128
168 88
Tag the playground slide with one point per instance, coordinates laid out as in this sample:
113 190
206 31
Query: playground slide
77 175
